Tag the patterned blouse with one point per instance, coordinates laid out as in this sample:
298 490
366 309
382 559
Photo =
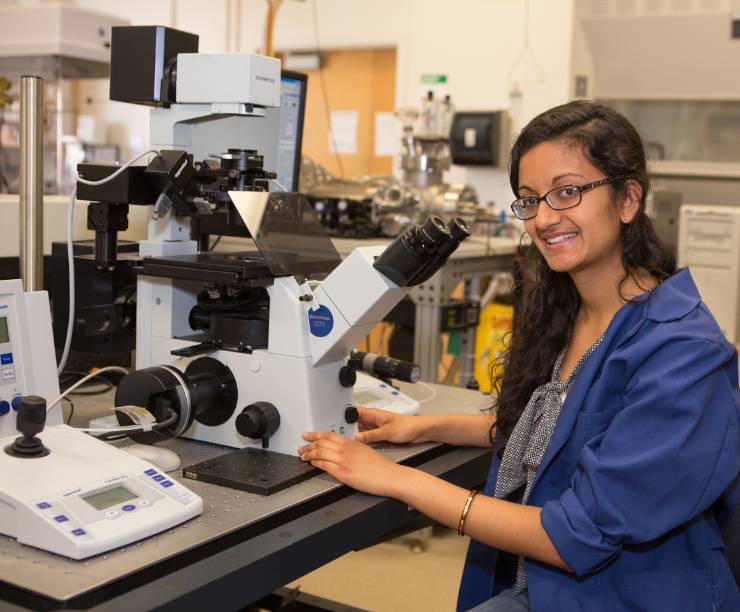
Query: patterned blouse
530 438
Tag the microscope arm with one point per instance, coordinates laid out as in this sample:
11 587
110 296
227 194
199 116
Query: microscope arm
348 304
366 286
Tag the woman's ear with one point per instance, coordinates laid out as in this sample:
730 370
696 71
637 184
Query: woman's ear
630 204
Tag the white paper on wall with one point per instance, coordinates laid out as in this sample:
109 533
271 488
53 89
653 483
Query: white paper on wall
343 132
387 134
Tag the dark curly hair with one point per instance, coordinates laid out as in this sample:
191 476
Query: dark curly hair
546 301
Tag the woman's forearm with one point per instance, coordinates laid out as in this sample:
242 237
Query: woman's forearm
514 528
459 429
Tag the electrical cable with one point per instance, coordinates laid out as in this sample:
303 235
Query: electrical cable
279 184
108 434
70 250
82 381
70 377
323 91
430 397
71 411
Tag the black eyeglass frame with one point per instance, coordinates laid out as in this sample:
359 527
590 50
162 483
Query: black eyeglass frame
580 188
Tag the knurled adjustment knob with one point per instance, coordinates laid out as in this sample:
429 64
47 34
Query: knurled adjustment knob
351 415
259 420
347 376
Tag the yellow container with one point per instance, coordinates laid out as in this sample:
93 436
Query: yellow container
494 324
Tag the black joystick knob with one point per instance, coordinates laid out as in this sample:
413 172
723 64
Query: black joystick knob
30 421
259 421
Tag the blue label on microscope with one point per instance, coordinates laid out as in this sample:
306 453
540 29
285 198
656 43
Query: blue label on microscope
320 321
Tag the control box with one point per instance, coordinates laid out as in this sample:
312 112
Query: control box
27 358
86 497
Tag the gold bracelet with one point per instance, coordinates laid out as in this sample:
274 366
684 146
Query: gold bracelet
466 509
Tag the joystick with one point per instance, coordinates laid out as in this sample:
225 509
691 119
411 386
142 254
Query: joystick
30 421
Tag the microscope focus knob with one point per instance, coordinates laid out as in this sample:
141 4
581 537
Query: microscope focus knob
351 415
259 420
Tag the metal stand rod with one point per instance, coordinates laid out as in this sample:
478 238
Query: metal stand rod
31 185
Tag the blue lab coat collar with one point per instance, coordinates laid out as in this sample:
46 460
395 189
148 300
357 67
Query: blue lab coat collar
673 299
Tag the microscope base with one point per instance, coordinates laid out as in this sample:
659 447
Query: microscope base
253 470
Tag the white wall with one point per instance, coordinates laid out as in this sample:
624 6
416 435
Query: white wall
474 42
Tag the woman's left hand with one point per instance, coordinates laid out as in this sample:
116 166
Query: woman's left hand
351 462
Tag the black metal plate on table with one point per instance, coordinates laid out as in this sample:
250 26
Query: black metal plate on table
253 470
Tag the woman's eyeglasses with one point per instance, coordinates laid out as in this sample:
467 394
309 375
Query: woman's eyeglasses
560 198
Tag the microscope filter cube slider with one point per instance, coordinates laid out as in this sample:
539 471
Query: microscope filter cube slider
244 78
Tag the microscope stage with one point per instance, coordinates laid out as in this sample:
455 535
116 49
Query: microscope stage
243 268
253 470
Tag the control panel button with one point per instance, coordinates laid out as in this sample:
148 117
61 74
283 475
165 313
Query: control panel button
112 514
158 478
60 518
42 505
4 407
144 502
79 532
6 358
150 472
166 484
8 373
16 402
128 508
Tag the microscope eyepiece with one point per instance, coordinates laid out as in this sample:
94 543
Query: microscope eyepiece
434 231
459 230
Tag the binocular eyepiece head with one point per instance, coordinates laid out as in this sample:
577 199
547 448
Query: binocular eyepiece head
419 251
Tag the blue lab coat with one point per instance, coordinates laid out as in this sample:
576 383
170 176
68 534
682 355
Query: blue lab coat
641 473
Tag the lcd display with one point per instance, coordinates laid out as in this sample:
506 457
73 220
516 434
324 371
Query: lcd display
100 500
4 337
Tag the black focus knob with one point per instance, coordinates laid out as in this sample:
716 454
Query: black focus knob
259 420
351 415
347 376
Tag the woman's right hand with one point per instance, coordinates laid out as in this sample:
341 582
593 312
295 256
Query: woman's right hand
380 425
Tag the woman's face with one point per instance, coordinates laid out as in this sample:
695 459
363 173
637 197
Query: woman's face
579 238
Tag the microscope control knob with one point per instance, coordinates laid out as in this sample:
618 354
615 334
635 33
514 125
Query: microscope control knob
351 415
259 420
347 376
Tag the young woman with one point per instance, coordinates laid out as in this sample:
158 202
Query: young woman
615 430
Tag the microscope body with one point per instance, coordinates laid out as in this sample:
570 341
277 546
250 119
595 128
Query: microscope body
312 329
246 349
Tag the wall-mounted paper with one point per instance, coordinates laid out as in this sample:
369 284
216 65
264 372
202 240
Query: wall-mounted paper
343 132
387 134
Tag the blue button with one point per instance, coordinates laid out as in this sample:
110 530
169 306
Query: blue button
16 402
6 358
78 532
383 386
43 505
166 483
394 393
158 478
150 472
60 518
4 407
128 508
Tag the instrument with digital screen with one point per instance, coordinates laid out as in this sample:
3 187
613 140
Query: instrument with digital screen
86 497
371 392
27 364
